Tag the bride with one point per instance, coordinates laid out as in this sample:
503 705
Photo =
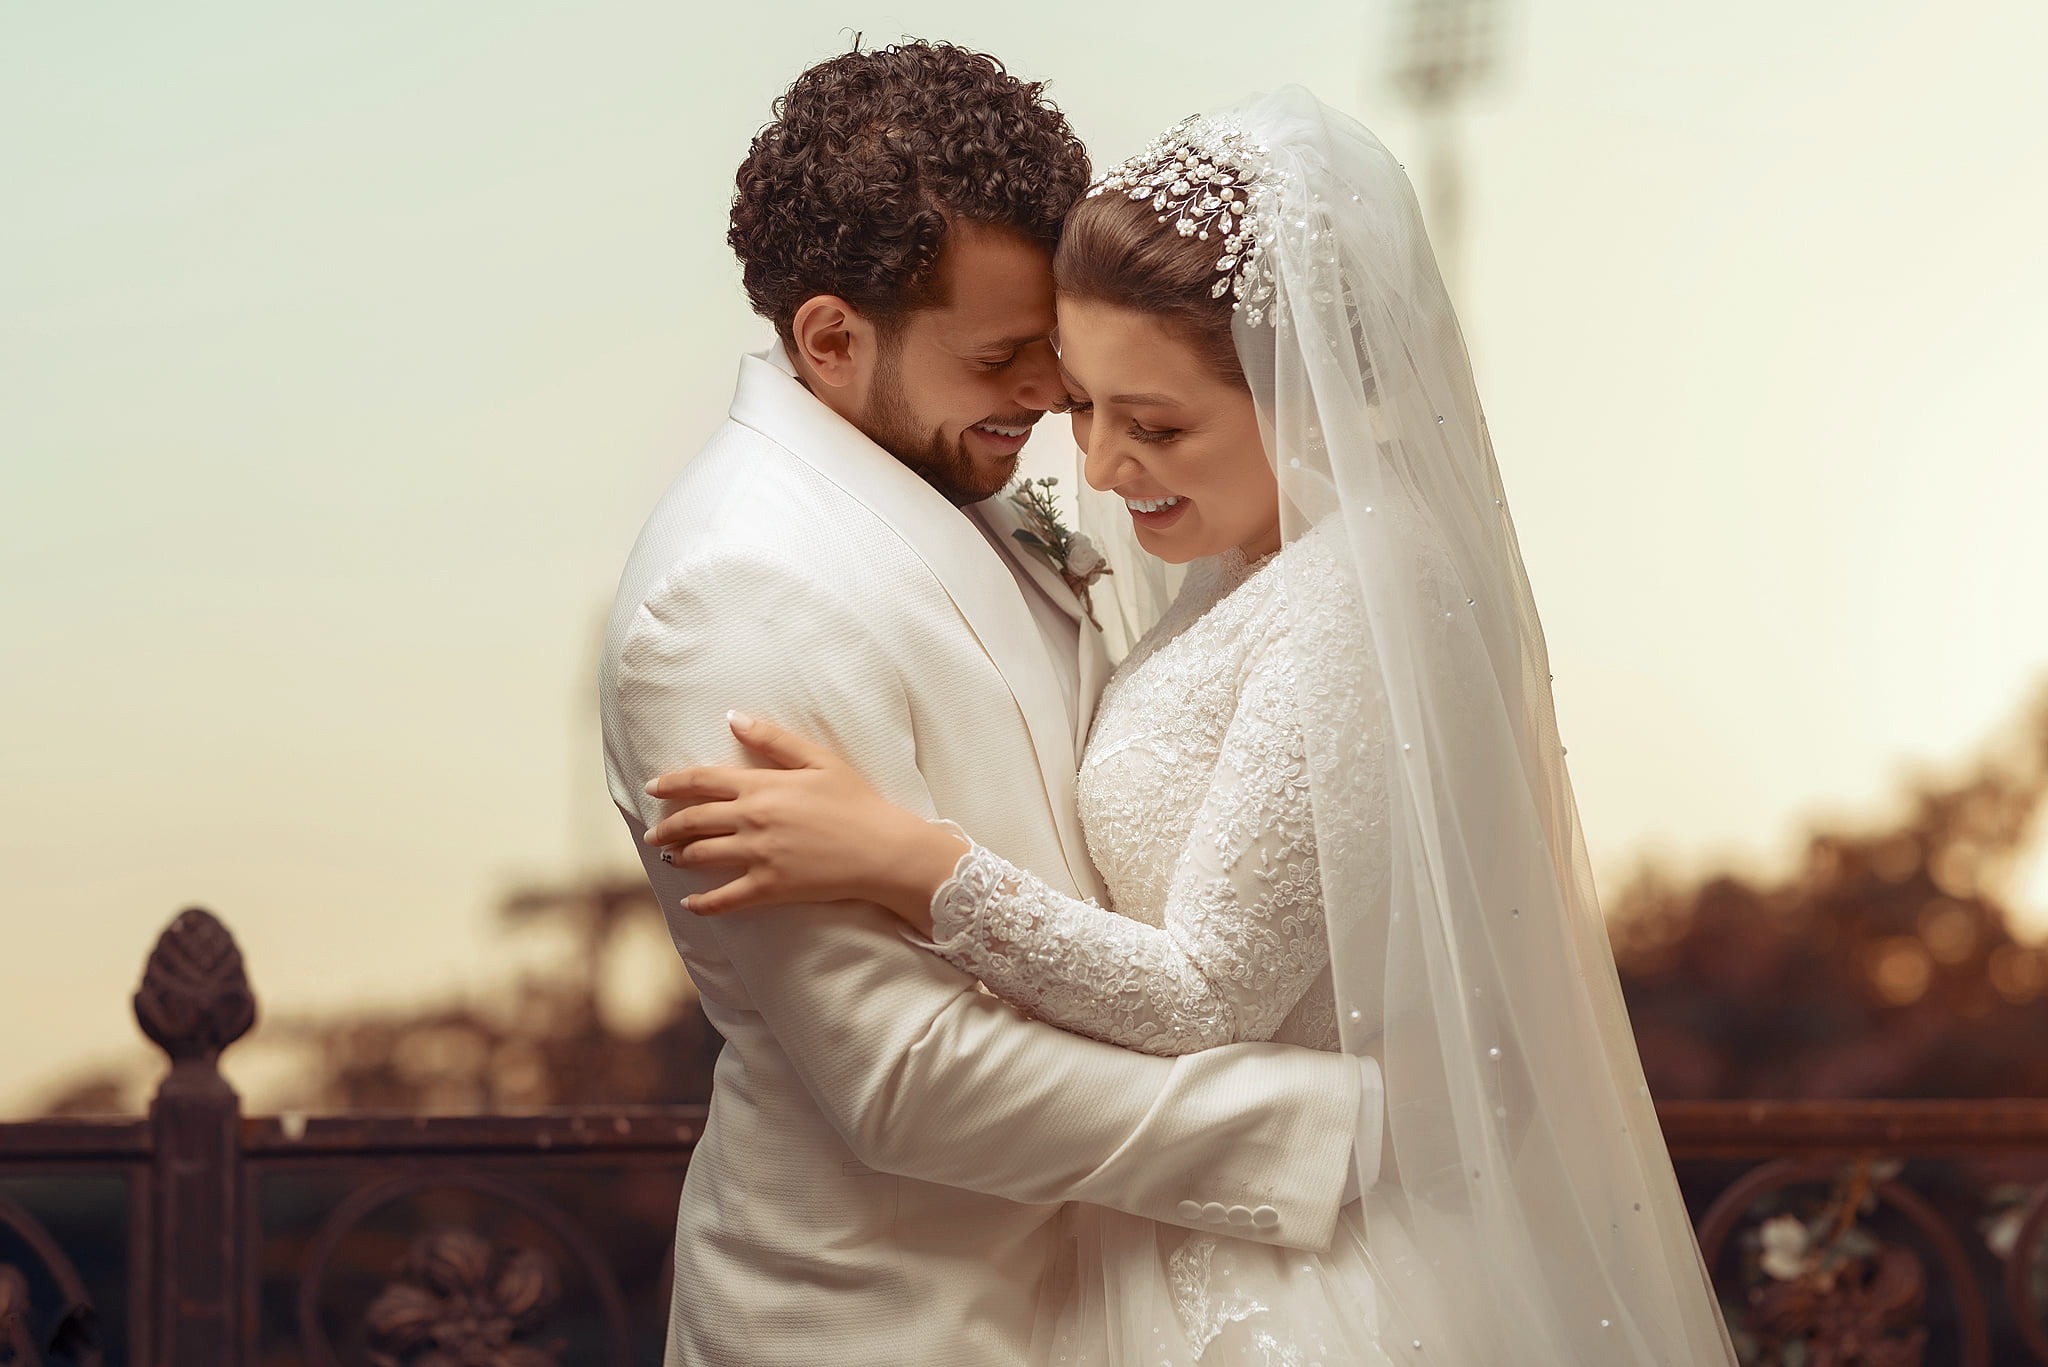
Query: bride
1325 792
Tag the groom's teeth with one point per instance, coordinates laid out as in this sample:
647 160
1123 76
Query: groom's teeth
1151 505
1003 431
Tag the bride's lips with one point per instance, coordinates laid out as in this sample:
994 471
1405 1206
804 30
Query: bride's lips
1004 439
1157 514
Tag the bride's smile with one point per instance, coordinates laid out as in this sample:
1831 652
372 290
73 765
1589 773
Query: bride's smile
1164 431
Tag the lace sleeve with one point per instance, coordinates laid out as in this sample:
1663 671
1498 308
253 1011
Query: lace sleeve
1243 935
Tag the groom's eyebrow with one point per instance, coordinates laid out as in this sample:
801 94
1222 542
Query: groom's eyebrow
1012 343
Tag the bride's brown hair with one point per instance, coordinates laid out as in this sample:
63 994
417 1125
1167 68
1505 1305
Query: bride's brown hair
1114 250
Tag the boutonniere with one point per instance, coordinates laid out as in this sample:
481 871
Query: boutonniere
1072 555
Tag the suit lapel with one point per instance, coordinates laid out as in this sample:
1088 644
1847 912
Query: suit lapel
1094 674
772 402
1002 518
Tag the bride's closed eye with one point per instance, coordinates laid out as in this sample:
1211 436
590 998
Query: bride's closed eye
1069 403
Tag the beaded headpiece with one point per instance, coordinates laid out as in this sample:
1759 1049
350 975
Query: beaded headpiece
1214 184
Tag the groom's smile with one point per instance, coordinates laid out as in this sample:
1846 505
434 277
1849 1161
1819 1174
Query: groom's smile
959 384
1004 438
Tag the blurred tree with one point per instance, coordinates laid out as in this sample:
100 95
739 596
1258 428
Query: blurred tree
1886 966
554 1039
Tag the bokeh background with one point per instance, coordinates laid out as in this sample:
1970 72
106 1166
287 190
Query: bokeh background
342 351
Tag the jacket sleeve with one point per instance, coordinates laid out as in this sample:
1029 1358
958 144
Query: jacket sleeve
921 1073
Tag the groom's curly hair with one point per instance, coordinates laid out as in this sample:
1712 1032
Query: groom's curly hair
871 155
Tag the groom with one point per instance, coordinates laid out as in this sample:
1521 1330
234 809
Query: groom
888 1147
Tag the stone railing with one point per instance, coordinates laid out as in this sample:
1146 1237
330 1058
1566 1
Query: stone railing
1860 1234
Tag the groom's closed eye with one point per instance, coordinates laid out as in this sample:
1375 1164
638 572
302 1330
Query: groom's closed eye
1003 352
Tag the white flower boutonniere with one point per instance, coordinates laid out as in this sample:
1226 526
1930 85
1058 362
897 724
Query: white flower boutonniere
1072 556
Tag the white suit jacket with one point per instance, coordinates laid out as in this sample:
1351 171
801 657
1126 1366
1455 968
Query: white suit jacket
887 1145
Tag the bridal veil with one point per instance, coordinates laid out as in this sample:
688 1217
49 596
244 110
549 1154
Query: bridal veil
1526 1210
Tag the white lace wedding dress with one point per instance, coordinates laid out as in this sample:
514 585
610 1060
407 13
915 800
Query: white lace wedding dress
1195 800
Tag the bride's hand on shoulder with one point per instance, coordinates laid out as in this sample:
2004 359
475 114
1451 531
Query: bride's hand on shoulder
808 828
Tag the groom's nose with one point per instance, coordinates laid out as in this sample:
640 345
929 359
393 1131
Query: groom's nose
1037 376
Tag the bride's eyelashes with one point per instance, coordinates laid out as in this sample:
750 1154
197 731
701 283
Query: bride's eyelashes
1073 405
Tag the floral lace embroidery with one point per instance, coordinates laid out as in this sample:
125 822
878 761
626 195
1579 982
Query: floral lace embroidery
1187 1270
1195 797
1207 1300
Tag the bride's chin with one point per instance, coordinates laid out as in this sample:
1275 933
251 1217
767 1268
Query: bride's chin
1172 555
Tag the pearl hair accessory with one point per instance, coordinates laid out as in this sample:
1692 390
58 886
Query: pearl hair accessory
1210 180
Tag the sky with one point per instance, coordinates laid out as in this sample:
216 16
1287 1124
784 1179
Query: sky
343 350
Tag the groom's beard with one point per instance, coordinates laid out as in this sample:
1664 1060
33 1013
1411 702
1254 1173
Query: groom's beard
892 424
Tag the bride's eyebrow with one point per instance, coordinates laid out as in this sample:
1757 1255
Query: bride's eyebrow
1073 385
1147 400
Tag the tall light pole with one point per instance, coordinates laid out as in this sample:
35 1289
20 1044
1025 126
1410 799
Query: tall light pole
1441 51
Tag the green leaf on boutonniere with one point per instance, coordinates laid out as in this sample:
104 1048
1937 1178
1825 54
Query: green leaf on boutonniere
1032 540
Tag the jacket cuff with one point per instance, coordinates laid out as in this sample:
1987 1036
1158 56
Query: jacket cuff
1370 1142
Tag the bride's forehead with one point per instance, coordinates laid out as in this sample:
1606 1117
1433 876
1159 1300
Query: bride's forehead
1102 345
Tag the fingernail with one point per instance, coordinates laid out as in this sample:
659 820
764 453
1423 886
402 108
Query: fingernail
739 721
649 789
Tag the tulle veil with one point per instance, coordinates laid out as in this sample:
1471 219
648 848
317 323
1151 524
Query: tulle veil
1526 1211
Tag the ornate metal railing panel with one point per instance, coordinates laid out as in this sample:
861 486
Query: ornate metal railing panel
1860 1234
541 1239
1873 1232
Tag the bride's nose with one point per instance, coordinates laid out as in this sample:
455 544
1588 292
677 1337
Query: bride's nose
1108 464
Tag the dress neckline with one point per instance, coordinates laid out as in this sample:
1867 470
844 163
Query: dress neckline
1234 567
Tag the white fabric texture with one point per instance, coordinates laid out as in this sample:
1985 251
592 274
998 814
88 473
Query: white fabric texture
888 1146
1527 1211
1055 627
1196 805
1358 745
1195 802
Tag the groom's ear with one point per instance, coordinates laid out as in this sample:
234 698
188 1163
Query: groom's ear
834 343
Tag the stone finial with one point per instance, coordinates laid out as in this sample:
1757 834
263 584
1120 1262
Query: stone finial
195 999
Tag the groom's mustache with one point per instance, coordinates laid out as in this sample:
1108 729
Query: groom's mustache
1028 418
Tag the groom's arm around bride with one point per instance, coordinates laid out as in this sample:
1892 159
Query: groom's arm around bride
888 1146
